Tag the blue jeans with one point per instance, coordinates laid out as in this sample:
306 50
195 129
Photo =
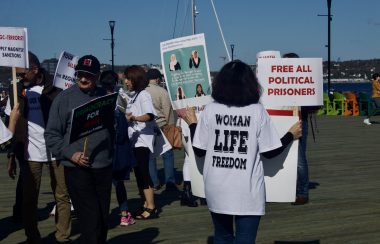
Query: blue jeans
302 168
121 194
246 228
168 158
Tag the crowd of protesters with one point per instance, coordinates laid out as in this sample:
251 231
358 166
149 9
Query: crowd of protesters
82 172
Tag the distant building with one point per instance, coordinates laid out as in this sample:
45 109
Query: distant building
50 65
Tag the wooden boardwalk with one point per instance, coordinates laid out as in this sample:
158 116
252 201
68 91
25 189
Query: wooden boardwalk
344 165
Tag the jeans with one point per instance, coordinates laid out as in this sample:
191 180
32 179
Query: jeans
302 168
121 194
168 158
246 228
32 173
90 192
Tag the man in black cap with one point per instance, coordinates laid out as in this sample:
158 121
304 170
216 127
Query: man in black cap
88 169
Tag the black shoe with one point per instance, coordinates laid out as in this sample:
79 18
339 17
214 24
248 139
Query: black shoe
301 201
157 188
171 187
187 198
203 201
188 201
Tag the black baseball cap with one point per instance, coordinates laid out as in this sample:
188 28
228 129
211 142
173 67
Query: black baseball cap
153 74
88 64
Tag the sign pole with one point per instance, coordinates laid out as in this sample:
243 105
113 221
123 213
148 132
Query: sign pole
14 83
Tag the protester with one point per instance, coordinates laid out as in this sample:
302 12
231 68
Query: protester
375 95
141 115
233 133
302 192
7 133
123 160
88 168
35 100
165 116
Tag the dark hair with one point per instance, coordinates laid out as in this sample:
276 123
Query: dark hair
137 76
108 79
33 60
196 90
290 55
236 85
375 75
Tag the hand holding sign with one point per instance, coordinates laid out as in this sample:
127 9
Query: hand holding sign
81 159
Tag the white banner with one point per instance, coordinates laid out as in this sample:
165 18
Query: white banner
291 81
64 76
281 172
186 70
14 47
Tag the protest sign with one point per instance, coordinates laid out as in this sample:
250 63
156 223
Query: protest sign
14 47
64 76
186 70
93 116
291 81
267 54
280 172
14 51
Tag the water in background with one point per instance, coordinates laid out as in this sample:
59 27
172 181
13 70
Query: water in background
353 87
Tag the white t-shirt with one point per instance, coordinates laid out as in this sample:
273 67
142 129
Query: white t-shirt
141 134
36 146
5 134
233 138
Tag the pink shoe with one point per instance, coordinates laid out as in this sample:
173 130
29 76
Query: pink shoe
127 220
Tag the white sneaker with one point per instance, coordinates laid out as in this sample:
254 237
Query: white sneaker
367 122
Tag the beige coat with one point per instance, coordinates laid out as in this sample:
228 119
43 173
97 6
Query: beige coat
161 103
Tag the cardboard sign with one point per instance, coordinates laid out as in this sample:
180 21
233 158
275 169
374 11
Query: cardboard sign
291 81
93 116
267 54
14 47
64 76
186 70
280 172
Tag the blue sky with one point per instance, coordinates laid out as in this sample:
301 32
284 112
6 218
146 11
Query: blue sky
79 27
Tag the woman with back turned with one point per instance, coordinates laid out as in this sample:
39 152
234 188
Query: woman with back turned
233 133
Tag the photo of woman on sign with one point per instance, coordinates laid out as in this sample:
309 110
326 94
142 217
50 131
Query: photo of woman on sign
194 60
180 93
174 65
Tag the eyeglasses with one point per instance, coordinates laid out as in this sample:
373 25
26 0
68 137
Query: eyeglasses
85 75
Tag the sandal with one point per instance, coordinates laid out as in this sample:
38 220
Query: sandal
153 214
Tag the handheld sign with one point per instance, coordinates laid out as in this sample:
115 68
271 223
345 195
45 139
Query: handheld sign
14 51
186 70
291 81
14 47
64 76
93 116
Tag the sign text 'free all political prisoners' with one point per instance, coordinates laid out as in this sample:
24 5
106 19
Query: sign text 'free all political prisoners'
93 116
291 81
65 73
14 47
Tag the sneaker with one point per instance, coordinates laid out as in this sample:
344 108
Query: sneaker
367 122
127 220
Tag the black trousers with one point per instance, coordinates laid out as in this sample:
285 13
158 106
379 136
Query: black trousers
90 192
